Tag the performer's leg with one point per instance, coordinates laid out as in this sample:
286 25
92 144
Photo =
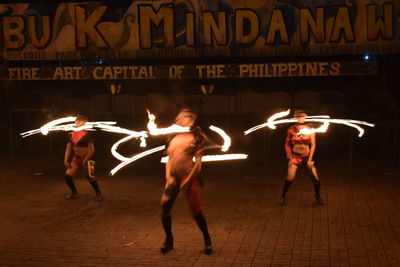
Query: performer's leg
317 185
69 174
193 196
292 168
171 191
95 185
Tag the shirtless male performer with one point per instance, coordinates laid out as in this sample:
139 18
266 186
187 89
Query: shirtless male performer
181 172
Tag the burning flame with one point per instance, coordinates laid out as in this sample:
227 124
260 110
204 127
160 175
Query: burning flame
55 126
136 157
209 158
227 139
272 122
109 126
323 128
154 130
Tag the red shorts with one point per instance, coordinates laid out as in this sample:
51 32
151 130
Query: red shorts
77 160
299 159
193 195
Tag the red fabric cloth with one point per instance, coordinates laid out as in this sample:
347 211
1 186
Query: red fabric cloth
294 137
193 194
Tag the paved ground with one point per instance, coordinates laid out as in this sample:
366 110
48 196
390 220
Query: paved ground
358 226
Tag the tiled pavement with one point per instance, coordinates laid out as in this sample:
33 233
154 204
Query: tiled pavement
358 226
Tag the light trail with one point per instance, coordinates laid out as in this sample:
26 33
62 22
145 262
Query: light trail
227 139
154 130
272 122
136 157
210 158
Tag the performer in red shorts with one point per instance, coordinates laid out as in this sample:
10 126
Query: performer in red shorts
300 150
182 173
80 146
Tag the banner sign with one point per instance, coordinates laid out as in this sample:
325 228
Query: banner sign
213 71
197 28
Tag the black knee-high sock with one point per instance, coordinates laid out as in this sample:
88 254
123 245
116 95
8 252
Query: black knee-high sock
167 225
317 187
285 188
70 183
202 223
95 185
316 182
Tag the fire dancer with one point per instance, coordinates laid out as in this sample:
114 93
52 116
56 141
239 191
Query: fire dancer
79 150
300 148
182 173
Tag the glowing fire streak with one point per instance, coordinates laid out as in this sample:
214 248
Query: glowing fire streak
136 157
209 158
323 128
227 139
154 130
107 126
54 126
271 122
276 116
46 128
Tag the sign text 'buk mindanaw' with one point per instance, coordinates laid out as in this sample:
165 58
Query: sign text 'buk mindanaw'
214 71
197 28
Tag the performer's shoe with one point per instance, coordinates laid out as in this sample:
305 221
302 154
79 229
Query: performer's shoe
318 201
72 195
99 196
282 201
207 245
208 249
167 246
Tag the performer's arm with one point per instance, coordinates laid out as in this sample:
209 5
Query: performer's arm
195 170
312 150
90 153
67 154
168 177
288 148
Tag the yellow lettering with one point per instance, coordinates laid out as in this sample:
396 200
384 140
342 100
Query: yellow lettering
210 27
376 27
37 42
13 27
87 27
149 16
277 25
316 25
342 24
251 17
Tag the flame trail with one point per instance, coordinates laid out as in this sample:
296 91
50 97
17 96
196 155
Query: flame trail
272 122
209 158
323 128
154 130
227 139
136 157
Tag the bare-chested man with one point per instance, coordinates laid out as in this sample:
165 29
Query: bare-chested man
181 172
80 146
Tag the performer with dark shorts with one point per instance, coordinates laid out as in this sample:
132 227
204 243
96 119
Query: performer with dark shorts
182 173
79 150
300 150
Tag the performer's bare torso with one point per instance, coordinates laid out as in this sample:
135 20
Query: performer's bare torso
181 162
